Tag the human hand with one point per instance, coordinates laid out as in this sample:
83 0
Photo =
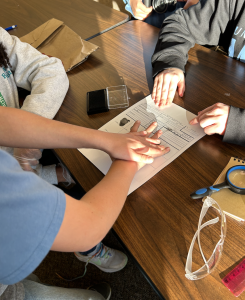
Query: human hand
27 158
139 10
189 3
213 119
165 85
133 146
149 131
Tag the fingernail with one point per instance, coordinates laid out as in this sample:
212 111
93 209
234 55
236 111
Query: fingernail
138 121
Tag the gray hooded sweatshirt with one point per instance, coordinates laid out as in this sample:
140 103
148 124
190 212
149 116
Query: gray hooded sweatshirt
209 22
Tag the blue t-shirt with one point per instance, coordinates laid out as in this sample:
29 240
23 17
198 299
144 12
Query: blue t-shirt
31 213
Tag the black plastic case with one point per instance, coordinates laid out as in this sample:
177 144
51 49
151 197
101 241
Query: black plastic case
97 102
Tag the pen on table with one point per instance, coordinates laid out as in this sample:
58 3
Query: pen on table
11 27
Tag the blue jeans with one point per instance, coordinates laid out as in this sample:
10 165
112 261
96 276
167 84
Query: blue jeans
156 19
35 290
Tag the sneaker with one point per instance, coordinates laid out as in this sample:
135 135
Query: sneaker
106 259
102 288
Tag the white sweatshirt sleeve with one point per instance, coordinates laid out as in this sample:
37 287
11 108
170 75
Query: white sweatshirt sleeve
44 77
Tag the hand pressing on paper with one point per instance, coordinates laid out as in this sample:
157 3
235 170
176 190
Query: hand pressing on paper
149 131
213 119
134 146
27 158
166 82
165 85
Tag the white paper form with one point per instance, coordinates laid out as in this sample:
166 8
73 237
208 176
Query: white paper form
177 134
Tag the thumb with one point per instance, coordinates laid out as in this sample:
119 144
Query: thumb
181 86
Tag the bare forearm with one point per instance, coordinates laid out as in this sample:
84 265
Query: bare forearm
86 222
24 129
21 129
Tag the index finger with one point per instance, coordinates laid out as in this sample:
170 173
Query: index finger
205 122
154 91
135 127
200 115
151 128
165 90
204 111
172 89
194 121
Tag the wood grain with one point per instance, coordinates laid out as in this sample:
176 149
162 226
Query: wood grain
159 219
85 17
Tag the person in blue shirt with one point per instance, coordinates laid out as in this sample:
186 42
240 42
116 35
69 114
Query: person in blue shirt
140 12
36 217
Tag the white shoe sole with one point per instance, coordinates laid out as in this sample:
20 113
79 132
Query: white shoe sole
106 270
108 298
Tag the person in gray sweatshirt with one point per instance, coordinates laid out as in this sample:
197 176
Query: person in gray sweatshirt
139 11
22 66
209 22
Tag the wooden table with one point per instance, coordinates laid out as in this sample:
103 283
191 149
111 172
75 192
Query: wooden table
159 219
86 17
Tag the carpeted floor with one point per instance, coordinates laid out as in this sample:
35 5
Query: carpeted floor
128 284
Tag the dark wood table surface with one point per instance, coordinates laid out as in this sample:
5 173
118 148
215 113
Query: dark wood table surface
159 219
85 17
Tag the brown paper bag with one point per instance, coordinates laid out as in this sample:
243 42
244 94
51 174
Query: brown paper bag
54 38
